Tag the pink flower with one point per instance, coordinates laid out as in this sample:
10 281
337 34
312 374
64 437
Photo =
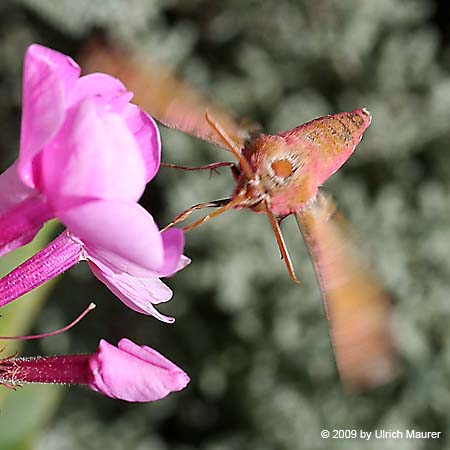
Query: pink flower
127 372
134 373
86 154
81 141
66 121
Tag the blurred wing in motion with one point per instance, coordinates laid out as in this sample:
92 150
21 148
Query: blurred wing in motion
161 94
356 307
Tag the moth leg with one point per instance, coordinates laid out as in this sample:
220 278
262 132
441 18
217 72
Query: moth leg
8 385
281 244
185 214
230 204
212 167
8 358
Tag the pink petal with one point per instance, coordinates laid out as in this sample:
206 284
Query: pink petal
66 69
8 245
48 77
124 236
22 211
12 190
20 224
134 373
182 263
174 261
173 242
139 294
94 156
148 138
147 354
111 91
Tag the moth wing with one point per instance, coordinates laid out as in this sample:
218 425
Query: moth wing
159 92
357 309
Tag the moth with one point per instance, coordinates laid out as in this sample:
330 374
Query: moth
281 175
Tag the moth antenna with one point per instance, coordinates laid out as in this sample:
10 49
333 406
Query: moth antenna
281 244
213 167
52 333
231 145
231 204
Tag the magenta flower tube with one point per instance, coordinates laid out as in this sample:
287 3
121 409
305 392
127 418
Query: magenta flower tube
55 259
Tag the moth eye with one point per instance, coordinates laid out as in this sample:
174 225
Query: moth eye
282 168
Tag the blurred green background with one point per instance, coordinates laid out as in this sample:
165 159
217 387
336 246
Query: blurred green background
255 345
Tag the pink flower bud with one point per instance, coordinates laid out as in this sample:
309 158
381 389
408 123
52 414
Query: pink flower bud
127 372
134 373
